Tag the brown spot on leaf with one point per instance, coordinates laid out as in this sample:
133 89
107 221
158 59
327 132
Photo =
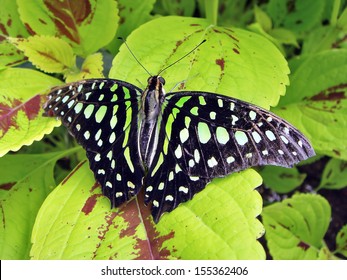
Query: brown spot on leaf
29 29
90 203
284 226
178 43
338 153
95 186
134 213
7 186
334 93
303 245
42 21
220 62
121 20
181 86
103 231
343 166
216 30
236 51
286 176
3 29
73 172
195 24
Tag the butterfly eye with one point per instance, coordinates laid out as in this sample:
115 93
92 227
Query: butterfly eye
161 80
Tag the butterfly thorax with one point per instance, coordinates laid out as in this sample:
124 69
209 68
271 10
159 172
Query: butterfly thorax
152 99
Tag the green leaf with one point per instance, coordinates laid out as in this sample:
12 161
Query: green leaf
297 16
342 20
75 222
262 18
179 8
25 181
296 226
320 39
21 108
132 14
284 36
230 13
232 62
50 54
341 241
282 180
334 176
316 102
82 23
92 67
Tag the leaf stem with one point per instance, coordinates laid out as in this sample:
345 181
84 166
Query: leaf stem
335 12
211 10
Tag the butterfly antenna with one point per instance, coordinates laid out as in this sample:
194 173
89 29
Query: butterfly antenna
162 70
121 38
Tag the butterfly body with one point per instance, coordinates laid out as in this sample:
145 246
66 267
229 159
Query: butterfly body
171 144
152 100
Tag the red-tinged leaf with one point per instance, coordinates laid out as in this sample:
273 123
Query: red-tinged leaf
9 112
10 25
77 21
49 54
76 208
21 122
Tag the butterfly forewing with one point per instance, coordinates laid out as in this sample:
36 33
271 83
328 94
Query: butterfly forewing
102 115
205 135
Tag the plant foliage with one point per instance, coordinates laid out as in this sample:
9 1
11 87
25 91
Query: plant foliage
51 206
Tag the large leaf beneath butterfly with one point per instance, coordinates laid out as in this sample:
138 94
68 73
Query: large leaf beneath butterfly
316 102
21 108
78 21
11 25
232 62
77 208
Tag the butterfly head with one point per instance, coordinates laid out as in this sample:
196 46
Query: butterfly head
153 96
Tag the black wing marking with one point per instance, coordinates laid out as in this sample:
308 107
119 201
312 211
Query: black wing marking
207 136
102 114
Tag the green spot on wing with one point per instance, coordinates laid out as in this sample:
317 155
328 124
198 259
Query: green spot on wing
100 114
222 135
182 100
194 111
126 92
204 132
114 88
88 111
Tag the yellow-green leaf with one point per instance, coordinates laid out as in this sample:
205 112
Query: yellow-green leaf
233 62
92 67
50 54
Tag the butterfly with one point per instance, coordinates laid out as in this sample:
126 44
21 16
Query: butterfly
171 144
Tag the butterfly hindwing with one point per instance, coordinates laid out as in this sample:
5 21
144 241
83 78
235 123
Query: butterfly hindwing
205 135
102 115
